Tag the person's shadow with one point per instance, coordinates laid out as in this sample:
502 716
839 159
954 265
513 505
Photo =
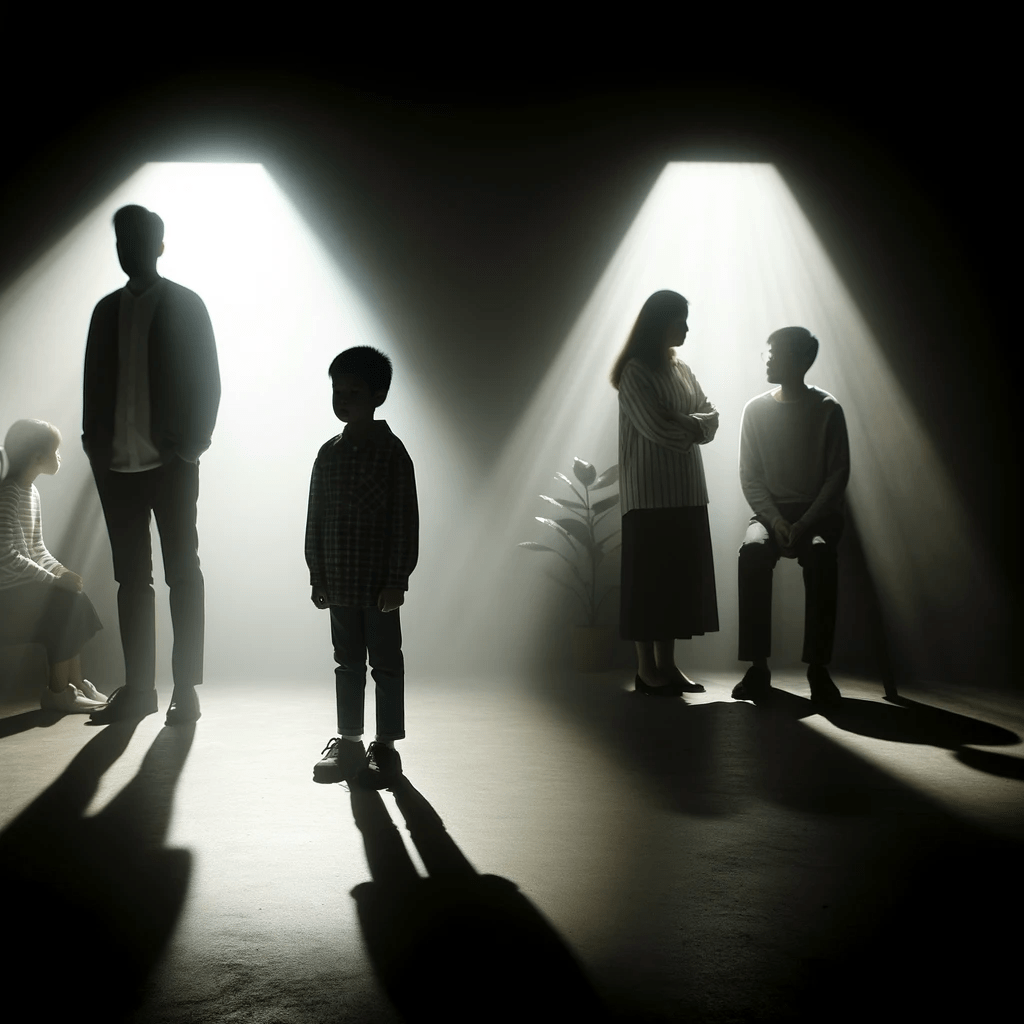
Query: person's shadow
457 945
903 720
36 719
90 902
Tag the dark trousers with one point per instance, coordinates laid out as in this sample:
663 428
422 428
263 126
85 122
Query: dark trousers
356 634
170 492
816 553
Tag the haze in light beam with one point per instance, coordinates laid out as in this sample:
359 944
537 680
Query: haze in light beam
281 310
732 239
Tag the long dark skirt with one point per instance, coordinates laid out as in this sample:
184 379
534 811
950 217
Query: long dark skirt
668 574
40 613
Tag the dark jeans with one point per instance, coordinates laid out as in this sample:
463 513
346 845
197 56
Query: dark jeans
170 492
816 553
356 633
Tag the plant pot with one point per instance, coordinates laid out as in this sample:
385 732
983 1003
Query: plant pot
593 648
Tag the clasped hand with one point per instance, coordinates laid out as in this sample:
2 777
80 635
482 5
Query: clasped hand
787 535
69 580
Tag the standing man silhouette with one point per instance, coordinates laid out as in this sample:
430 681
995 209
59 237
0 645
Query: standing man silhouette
151 392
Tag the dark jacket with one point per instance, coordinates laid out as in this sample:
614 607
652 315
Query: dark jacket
184 378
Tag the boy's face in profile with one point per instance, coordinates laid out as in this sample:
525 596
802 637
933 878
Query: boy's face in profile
353 402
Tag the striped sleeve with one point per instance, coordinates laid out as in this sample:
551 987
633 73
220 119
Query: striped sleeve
648 411
23 556
659 465
703 412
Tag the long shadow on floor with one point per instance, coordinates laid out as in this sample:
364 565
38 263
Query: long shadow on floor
704 759
90 901
909 721
38 719
775 875
457 945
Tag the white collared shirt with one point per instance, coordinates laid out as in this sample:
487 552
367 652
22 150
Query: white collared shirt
133 449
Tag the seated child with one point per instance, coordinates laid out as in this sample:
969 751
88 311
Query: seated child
362 532
40 600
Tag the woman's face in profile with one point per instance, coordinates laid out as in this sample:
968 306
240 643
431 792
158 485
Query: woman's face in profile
676 333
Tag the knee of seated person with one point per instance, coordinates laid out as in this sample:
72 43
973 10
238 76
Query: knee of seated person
755 545
819 550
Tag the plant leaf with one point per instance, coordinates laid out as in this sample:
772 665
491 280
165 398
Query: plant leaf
608 477
533 546
578 530
565 479
584 472
604 504
565 503
554 526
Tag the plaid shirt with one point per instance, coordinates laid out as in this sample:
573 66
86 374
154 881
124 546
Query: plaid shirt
362 528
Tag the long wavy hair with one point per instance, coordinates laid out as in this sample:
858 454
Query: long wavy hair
646 341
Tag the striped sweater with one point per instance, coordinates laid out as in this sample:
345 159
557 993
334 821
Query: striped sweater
659 465
23 555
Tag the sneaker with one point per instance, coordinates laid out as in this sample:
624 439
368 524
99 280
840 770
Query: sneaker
340 760
754 686
125 705
70 702
383 767
824 691
92 693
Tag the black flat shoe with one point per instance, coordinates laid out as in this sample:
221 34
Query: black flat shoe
689 686
184 707
656 691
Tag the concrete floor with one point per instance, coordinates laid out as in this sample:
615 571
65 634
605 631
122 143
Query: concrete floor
669 860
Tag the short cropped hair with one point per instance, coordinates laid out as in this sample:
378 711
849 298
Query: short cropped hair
141 226
799 341
26 440
366 363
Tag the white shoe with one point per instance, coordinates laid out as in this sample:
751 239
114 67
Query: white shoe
90 691
70 701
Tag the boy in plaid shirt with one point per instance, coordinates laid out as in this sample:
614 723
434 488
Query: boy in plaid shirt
362 532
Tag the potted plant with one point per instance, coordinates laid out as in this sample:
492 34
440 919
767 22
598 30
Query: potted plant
585 548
